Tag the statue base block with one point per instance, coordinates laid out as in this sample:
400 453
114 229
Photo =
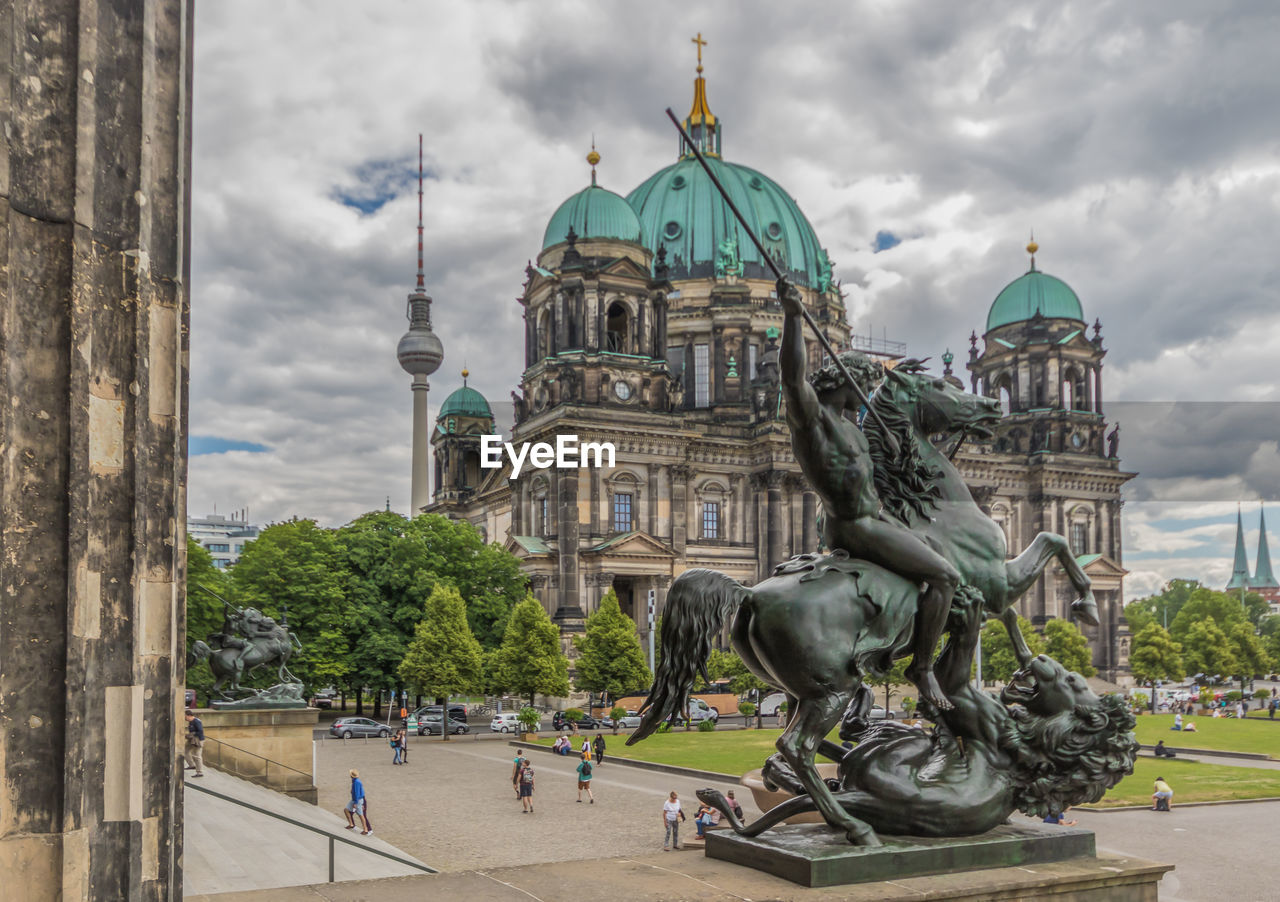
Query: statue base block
815 855
272 747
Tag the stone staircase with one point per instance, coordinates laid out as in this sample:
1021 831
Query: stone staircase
227 847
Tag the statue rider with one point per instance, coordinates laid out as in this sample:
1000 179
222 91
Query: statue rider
834 455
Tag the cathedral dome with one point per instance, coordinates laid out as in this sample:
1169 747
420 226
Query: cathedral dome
1032 293
593 212
465 402
681 210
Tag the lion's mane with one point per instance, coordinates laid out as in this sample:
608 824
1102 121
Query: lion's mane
1070 758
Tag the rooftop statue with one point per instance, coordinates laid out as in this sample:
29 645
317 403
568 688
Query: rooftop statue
250 640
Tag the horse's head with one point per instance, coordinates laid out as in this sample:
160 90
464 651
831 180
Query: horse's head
937 405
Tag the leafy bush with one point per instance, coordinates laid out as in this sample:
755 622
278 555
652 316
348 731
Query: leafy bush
706 726
617 714
909 705
783 707
664 727
1234 695
529 718
1262 694
573 715
746 709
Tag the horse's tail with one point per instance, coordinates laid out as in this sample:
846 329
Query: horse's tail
698 606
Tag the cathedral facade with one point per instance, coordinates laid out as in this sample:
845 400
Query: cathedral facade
652 322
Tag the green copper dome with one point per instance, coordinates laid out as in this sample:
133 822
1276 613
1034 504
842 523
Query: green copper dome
681 211
1032 293
593 212
466 402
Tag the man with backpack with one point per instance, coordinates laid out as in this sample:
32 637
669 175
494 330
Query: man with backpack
584 778
526 787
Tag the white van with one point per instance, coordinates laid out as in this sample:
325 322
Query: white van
700 711
769 705
505 723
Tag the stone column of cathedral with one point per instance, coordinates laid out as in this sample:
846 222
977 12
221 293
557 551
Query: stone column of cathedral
569 614
809 522
93 257
776 513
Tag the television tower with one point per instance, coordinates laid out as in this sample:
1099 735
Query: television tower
420 354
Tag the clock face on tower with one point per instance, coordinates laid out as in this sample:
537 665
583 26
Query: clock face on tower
622 390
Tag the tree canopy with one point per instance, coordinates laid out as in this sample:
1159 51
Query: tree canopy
998 659
727 665
610 660
530 661
1155 656
1207 650
444 658
1064 642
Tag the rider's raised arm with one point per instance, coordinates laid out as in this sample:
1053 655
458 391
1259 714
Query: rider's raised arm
802 400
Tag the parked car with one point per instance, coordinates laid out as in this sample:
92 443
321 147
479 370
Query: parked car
878 712
349 727
560 722
508 722
429 725
323 698
630 721
700 711
456 712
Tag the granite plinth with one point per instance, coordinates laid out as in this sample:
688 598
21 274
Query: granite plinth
816 855
272 747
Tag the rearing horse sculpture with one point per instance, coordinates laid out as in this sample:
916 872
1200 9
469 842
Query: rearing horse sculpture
821 624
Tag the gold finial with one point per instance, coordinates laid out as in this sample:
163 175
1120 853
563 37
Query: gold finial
1032 247
701 43
465 373
593 158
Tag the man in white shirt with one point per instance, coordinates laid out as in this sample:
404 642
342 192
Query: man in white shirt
671 818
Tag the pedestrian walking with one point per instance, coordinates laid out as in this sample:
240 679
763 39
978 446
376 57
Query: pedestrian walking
586 747
404 746
584 778
1271 708
517 767
671 818
356 807
193 752
598 745
526 788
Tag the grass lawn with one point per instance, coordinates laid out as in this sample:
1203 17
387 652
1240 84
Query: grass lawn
1192 781
738 751
1226 734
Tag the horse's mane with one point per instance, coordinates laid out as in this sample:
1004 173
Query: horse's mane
904 482
1069 758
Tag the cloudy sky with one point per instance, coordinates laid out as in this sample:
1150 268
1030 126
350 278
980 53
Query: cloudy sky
1139 141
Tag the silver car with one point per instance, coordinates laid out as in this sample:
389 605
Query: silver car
349 727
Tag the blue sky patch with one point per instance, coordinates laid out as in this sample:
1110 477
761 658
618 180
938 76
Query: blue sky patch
378 182
211 444
885 240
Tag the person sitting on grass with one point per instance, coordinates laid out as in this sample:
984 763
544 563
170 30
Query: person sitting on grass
1162 752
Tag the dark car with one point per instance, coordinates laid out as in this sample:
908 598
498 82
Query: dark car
560 722
349 727
456 712
429 725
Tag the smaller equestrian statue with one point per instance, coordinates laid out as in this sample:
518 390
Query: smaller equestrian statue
249 641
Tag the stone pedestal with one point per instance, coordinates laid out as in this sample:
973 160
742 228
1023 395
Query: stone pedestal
274 747
815 855
94 185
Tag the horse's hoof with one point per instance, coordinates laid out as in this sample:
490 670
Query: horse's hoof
1085 610
864 836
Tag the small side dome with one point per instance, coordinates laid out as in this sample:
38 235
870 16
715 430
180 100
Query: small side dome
1031 293
593 212
466 402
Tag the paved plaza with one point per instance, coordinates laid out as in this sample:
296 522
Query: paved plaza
452 807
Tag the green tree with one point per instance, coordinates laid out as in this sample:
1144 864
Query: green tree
894 676
609 657
1162 607
1064 642
1252 658
1255 608
299 565
998 659
1207 650
1223 608
727 665
1155 656
204 612
443 659
529 661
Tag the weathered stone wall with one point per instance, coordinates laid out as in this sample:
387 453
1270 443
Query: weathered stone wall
95 102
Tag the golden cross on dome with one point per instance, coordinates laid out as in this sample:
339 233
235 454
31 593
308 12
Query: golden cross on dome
701 43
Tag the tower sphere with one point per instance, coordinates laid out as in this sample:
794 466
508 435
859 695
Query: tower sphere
420 351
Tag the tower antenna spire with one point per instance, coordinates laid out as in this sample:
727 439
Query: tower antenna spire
422 284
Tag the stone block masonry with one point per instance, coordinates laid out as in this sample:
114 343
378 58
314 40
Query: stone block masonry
95 100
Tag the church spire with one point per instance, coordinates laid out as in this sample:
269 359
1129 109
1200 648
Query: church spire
1263 578
1240 569
701 124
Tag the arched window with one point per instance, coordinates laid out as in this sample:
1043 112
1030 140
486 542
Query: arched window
544 334
1080 534
712 496
471 469
617 328
1004 391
